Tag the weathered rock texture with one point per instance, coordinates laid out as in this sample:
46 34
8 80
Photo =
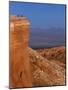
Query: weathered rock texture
28 67
20 70
46 72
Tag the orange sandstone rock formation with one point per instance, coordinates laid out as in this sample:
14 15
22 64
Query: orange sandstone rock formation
20 70
48 65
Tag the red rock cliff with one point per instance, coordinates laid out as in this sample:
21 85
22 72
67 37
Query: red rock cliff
20 70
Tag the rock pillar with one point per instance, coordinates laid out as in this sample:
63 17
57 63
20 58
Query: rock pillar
20 70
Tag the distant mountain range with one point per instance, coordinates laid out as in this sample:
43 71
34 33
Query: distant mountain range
42 38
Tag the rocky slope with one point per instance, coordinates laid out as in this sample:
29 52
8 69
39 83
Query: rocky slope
55 53
46 72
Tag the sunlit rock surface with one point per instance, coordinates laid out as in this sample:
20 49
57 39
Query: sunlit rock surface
31 68
20 70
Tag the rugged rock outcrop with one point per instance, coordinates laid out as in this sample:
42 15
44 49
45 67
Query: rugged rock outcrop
55 53
28 67
45 72
20 69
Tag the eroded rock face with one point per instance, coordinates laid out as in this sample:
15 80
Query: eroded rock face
30 67
45 72
20 70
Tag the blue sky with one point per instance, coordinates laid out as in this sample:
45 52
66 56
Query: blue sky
40 15
47 22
